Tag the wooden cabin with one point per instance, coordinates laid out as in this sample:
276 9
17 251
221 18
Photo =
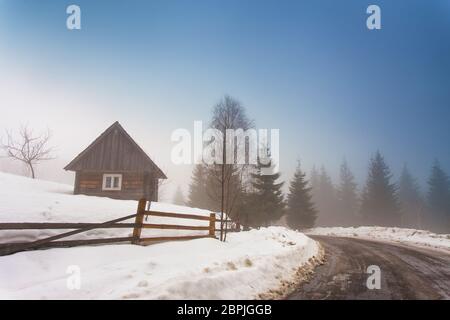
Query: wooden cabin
115 166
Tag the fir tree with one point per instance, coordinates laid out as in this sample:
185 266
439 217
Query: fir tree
379 202
314 180
266 198
198 196
300 208
314 183
439 199
411 204
326 201
347 197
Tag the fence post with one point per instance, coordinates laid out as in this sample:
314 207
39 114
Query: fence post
139 220
212 225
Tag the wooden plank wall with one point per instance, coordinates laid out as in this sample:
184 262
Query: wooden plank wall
133 187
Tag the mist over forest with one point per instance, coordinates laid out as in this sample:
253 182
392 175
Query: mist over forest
314 199
305 199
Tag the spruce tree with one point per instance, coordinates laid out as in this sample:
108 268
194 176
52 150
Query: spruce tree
300 208
266 198
314 180
411 204
347 197
379 202
198 196
439 199
325 200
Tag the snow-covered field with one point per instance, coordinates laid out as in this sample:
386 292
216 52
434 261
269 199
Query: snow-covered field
257 263
401 235
26 200
247 265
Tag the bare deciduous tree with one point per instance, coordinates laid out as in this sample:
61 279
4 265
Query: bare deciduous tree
228 114
28 147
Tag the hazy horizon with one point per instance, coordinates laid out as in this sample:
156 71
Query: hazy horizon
311 69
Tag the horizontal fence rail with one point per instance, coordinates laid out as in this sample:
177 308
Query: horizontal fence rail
176 215
178 238
137 226
60 225
172 226
8 248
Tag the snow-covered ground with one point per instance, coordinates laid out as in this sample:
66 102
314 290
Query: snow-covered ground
27 200
247 265
252 264
402 235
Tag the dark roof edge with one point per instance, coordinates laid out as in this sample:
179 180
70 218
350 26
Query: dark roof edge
88 148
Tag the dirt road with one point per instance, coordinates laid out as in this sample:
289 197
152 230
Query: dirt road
405 272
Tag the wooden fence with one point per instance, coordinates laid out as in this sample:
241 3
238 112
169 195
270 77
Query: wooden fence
137 226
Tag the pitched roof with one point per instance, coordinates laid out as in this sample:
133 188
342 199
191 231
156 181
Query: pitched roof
113 150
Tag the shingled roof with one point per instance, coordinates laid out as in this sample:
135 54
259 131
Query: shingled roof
114 150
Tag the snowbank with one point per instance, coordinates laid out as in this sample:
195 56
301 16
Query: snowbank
26 200
407 236
257 263
247 265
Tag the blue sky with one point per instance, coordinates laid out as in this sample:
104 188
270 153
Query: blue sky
310 68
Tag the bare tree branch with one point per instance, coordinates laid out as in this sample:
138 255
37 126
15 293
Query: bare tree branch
27 147
228 114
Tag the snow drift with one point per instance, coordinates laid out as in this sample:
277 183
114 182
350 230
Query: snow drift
247 265
27 200
401 235
253 264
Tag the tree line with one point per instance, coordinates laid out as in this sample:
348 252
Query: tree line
382 201
256 200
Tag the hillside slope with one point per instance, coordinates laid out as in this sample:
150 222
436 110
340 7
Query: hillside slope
250 265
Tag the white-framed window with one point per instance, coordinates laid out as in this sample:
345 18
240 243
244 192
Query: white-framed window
112 181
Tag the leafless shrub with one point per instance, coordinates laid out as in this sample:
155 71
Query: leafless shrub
28 147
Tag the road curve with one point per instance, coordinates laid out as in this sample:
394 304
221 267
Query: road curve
406 272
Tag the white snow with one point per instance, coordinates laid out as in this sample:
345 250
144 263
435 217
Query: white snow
247 265
413 237
27 200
